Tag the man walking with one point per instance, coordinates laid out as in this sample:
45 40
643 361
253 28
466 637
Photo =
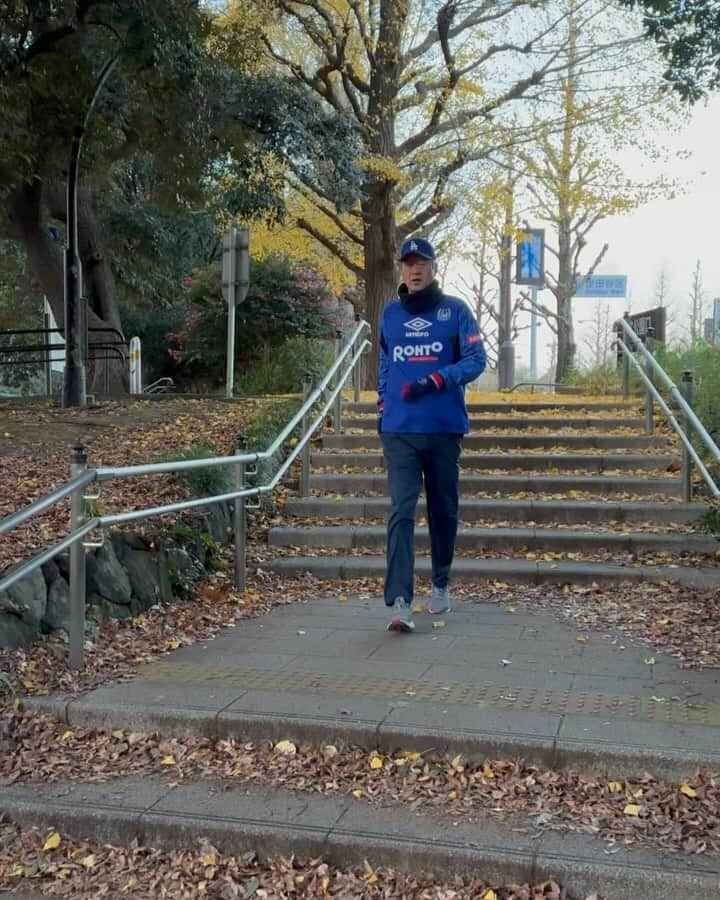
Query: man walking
430 348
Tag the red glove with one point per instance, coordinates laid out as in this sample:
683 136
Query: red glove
414 390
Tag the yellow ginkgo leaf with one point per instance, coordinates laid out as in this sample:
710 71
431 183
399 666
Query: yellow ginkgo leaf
632 809
487 770
412 755
439 624
118 734
489 895
286 747
510 609
209 859
615 786
357 793
53 842
688 790
452 795
88 861
376 762
67 735
342 598
330 751
18 871
372 879
581 638
417 608
173 644
168 760
649 660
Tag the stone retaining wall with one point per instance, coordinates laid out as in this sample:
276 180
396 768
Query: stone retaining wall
125 576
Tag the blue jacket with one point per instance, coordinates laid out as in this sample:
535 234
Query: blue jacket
443 338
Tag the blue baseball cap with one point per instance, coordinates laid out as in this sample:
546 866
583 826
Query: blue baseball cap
417 247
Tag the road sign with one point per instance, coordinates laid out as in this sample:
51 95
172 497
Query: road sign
608 286
530 257
642 323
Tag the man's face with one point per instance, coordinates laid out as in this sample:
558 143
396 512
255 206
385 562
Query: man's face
417 272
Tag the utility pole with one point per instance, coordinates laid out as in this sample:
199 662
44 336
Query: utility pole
506 350
533 334
235 283
76 349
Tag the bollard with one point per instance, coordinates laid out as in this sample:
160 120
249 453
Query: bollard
686 389
78 464
305 452
239 522
626 361
649 399
337 415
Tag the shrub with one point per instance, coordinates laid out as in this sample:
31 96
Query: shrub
282 369
283 300
600 380
202 482
703 360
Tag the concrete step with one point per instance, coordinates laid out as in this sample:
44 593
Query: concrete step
515 441
345 537
517 423
510 571
591 463
345 832
493 510
604 485
513 406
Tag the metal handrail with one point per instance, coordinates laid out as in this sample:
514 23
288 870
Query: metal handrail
77 484
636 345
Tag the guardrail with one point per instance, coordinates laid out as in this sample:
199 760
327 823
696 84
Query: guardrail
328 393
631 345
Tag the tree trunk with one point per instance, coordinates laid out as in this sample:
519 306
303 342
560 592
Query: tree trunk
380 272
26 211
564 294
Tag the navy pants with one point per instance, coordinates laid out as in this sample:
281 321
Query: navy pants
411 459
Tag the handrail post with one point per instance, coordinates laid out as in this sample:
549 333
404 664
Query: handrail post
337 415
76 636
649 411
626 366
305 453
686 389
357 371
239 521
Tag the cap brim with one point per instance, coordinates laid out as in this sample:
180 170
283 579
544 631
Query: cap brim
417 253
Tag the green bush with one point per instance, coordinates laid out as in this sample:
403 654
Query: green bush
262 430
281 369
600 380
202 482
703 360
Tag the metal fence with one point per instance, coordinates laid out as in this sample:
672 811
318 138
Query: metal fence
638 354
328 394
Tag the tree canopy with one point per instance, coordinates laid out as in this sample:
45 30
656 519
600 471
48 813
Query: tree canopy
688 35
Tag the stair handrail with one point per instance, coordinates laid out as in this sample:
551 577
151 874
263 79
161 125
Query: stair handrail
635 345
344 365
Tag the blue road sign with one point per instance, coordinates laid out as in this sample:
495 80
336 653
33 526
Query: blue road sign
601 286
530 260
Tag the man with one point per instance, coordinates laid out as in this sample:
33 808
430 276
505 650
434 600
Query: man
430 348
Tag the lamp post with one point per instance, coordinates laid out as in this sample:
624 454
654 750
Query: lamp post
74 382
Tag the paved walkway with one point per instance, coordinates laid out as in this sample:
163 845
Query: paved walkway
482 681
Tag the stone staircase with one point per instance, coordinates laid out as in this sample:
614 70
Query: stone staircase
556 491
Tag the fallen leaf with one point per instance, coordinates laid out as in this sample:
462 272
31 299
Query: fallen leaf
581 638
67 735
510 609
52 842
688 790
439 624
376 761
118 734
210 859
417 608
615 786
505 662
330 751
632 809
489 895
286 747
251 888
88 861
488 771
649 660
452 795
168 760
173 644
357 793
342 598
372 879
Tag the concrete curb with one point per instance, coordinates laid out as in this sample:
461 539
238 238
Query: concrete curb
373 536
511 571
632 759
533 511
346 832
355 482
588 462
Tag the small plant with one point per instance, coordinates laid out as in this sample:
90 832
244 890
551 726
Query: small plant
281 369
205 482
7 689
710 521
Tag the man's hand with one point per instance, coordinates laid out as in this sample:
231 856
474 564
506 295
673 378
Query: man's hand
381 407
414 390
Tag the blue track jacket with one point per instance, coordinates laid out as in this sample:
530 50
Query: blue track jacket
443 339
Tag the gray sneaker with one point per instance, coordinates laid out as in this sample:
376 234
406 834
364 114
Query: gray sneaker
440 601
402 619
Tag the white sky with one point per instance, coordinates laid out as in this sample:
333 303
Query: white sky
669 234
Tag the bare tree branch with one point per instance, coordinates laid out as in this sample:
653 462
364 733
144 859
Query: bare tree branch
333 247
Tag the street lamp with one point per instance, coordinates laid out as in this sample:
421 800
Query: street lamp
76 351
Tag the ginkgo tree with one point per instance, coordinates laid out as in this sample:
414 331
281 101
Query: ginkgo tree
426 85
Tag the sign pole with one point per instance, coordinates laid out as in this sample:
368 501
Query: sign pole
230 262
533 335
506 351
